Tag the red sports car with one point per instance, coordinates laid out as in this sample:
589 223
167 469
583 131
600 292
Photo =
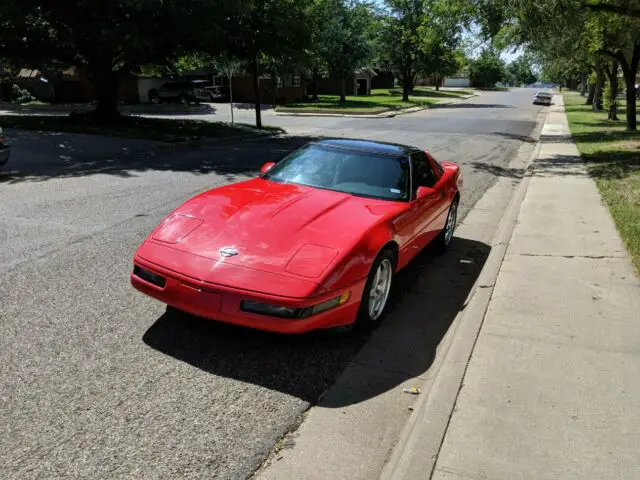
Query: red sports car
314 242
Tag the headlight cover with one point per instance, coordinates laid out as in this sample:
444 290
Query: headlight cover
271 310
293 313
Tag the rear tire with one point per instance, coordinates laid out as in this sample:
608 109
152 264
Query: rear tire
377 289
154 97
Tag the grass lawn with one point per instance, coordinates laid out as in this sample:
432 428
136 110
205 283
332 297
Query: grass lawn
165 130
380 100
613 159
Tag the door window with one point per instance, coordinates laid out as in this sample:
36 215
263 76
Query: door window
422 173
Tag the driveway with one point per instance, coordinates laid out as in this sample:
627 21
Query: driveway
97 381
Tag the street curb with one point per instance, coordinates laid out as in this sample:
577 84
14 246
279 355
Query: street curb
386 114
416 453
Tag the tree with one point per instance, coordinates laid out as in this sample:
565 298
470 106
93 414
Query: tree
611 69
109 38
520 71
401 44
610 28
441 31
266 29
618 37
443 62
343 43
486 70
230 66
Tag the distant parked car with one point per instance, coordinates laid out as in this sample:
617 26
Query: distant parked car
183 91
218 93
542 98
5 150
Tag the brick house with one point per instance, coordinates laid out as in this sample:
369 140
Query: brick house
71 85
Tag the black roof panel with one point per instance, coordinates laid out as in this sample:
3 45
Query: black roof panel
368 146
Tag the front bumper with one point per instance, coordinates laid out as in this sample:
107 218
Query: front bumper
5 152
222 303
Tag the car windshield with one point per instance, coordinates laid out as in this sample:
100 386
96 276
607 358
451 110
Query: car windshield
358 173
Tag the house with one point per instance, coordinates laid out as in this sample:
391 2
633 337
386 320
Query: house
460 79
71 85
385 79
289 87
360 83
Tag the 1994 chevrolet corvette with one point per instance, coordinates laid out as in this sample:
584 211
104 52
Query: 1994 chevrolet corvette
314 242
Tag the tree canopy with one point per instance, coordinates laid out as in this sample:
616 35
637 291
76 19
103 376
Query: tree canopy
572 37
109 38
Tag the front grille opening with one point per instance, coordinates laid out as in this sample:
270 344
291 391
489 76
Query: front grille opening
150 277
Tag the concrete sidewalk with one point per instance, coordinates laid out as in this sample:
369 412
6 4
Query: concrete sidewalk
553 386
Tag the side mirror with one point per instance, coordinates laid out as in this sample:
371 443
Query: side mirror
425 192
267 166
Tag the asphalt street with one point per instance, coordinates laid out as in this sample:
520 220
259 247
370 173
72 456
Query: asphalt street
96 381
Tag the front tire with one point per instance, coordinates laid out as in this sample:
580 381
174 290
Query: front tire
375 298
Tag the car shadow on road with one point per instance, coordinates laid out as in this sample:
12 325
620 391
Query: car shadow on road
427 296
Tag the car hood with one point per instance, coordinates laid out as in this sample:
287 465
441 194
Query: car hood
274 227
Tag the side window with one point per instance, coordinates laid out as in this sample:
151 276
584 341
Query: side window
423 175
438 166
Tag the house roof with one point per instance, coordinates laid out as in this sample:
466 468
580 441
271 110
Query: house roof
366 71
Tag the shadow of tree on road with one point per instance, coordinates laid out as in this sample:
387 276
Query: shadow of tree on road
513 136
497 170
469 105
427 296
42 156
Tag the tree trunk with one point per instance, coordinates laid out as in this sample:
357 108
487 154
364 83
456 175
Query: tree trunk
629 70
230 77
274 89
592 92
437 82
407 82
106 83
343 90
612 76
256 90
315 84
597 96
583 84
631 102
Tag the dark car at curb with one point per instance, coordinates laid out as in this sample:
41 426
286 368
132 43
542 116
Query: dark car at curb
5 150
182 91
